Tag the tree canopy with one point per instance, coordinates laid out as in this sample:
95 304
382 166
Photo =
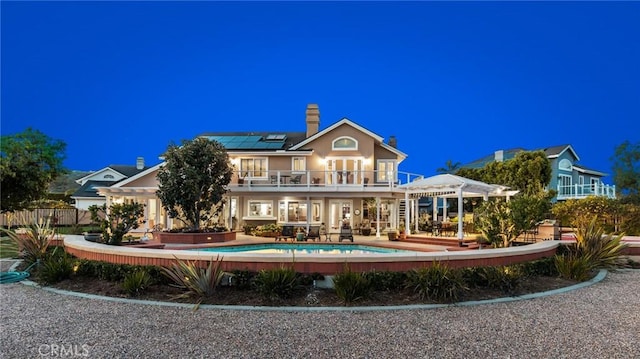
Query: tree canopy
626 168
29 162
193 181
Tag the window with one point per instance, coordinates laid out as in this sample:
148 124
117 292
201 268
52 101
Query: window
344 144
564 185
594 184
260 209
298 164
298 211
386 171
565 165
108 177
253 167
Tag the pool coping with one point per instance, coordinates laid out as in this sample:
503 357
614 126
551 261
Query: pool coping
602 273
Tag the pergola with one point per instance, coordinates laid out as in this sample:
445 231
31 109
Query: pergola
451 186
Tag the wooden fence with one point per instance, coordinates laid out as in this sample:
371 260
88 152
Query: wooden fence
58 216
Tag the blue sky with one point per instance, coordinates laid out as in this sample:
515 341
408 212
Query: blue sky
451 80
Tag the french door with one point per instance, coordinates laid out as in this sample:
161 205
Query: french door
344 170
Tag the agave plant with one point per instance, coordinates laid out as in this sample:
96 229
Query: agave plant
197 281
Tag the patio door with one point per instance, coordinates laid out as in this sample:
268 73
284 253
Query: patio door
344 170
340 211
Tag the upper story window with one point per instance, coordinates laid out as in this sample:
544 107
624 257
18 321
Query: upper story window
344 143
565 165
386 171
108 177
253 167
298 164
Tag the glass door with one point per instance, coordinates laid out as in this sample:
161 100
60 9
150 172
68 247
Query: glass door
340 212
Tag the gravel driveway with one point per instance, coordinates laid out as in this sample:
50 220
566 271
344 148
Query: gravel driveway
599 321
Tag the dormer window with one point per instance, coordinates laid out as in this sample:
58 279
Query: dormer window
344 144
565 165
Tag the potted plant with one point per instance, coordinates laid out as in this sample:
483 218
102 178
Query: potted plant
392 233
401 231
188 169
365 228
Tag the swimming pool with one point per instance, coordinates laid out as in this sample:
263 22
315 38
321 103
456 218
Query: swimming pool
282 248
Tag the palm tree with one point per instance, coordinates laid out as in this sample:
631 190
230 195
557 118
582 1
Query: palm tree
449 167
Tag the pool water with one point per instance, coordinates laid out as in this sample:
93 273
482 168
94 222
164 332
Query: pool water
282 248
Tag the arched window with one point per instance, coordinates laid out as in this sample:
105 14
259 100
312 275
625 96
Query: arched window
108 177
565 165
344 143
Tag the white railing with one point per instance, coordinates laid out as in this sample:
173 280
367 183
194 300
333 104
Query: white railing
319 179
577 191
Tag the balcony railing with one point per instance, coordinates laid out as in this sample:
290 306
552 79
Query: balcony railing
577 191
321 180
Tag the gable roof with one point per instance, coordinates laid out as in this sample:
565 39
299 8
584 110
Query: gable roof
551 152
125 170
138 175
346 121
88 190
556 151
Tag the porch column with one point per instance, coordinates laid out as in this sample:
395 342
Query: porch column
434 208
378 217
309 212
407 213
460 216
416 213
444 209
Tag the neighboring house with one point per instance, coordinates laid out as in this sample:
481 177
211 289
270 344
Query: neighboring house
570 179
87 195
307 178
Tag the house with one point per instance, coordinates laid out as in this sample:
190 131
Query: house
335 175
87 195
570 179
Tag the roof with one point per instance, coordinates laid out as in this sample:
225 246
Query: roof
125 170
551 152
446 183
88 189
256 141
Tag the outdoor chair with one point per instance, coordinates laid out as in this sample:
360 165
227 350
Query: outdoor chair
287 233
274 179
296 179
314 233
345 233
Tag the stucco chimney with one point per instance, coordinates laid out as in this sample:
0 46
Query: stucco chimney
140 163
313 119
393 142
499 156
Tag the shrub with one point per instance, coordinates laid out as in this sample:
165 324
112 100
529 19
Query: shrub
351 286
437 282
541 267
507 279
278 283
56 267
574 267
602 251
33 241
136 283
242 279
199 282
386 280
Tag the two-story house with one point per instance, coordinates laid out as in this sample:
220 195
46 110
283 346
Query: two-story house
570 179
334 175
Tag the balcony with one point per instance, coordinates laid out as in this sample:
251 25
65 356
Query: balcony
318 181
577 191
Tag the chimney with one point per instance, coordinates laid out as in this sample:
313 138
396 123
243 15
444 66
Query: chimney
499 156
393 142
313 119
140 163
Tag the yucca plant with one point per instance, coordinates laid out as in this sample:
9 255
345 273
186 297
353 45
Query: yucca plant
351 286
603 251
135 283
34 241
437 282
277 283
504 278
197 281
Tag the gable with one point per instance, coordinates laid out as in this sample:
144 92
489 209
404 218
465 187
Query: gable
106 174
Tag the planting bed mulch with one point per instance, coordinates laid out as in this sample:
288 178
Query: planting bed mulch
308 296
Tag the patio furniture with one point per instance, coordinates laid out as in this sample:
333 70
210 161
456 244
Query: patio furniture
296 179
274 179
314 233
345 233
287 233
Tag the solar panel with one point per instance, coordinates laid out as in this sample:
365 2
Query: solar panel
249 142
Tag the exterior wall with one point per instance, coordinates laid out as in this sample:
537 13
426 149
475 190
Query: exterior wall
86 203
148 180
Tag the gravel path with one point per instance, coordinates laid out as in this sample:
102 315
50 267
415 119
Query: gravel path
600 321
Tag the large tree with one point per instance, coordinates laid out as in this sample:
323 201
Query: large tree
626 169
193 181
29 162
